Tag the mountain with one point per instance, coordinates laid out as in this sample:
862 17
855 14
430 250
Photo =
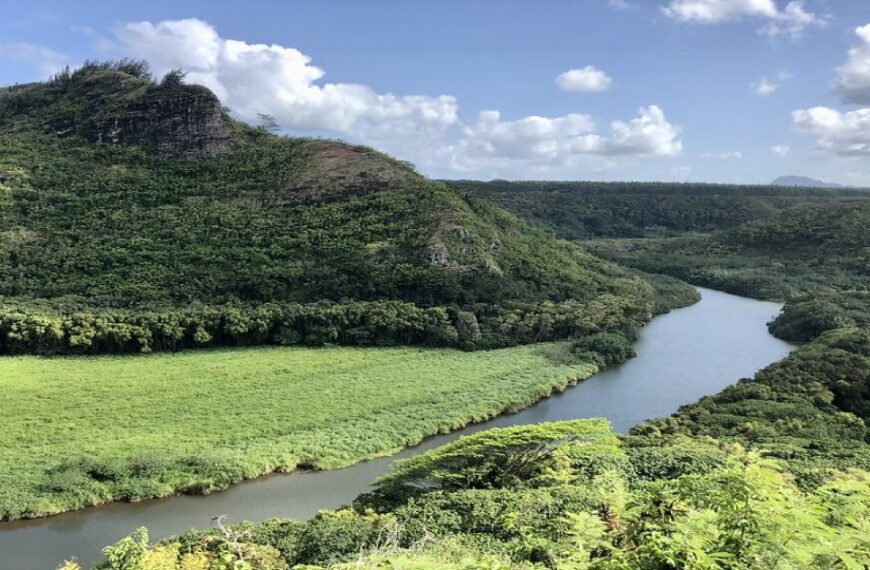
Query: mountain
122 198
804 182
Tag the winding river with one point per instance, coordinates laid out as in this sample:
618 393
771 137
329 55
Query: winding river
681 356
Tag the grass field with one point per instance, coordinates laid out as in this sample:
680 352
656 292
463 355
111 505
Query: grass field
81 431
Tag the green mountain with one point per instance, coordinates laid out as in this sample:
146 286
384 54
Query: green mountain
145 205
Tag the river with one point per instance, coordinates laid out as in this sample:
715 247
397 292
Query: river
681 356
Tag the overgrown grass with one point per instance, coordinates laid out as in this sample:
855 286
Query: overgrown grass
82 431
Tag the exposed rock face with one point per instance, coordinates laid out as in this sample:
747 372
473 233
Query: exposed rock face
110 107
183 123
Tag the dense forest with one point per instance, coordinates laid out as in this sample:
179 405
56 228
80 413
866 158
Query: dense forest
586 210
809 247
137 215
815 257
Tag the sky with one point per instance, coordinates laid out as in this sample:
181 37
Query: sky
733 91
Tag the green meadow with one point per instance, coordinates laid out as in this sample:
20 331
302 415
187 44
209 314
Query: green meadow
81 431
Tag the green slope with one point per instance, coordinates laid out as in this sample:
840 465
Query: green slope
118 193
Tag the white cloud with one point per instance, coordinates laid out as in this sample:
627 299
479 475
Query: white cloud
281 81
790 21
780 150
767 86
541 142
714 11
46 60
728 155
764 86
840 134
586 79
853 77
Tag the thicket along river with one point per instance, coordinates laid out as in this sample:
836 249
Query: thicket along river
681 356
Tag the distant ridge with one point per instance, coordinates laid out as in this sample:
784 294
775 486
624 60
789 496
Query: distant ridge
804 181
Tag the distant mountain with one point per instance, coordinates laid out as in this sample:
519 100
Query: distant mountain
803 181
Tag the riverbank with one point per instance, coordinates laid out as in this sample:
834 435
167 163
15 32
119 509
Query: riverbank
681 356
80 432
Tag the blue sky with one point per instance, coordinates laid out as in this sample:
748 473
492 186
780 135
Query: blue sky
709 90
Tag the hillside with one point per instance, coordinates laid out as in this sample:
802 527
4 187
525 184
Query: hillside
815 257
587 210
145 205
798 251
807 246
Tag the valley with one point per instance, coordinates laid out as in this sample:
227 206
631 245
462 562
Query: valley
671 368
188 302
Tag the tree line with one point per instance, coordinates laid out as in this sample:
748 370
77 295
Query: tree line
45 328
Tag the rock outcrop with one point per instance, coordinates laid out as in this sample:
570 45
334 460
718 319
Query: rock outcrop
185 122
119 104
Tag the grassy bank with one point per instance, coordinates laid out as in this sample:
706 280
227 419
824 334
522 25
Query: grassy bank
82 431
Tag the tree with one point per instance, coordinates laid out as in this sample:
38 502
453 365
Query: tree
268 123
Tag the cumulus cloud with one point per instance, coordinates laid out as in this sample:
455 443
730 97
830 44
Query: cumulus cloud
282 81
46 60
780 150
492 142
764 87
840 134
586 79
789 21
853 77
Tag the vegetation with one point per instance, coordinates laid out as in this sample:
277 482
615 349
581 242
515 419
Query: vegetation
801 250
809 410
564 495
808 316
72 427
587 210
120 232
806 246
112 223
42 328
773 472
